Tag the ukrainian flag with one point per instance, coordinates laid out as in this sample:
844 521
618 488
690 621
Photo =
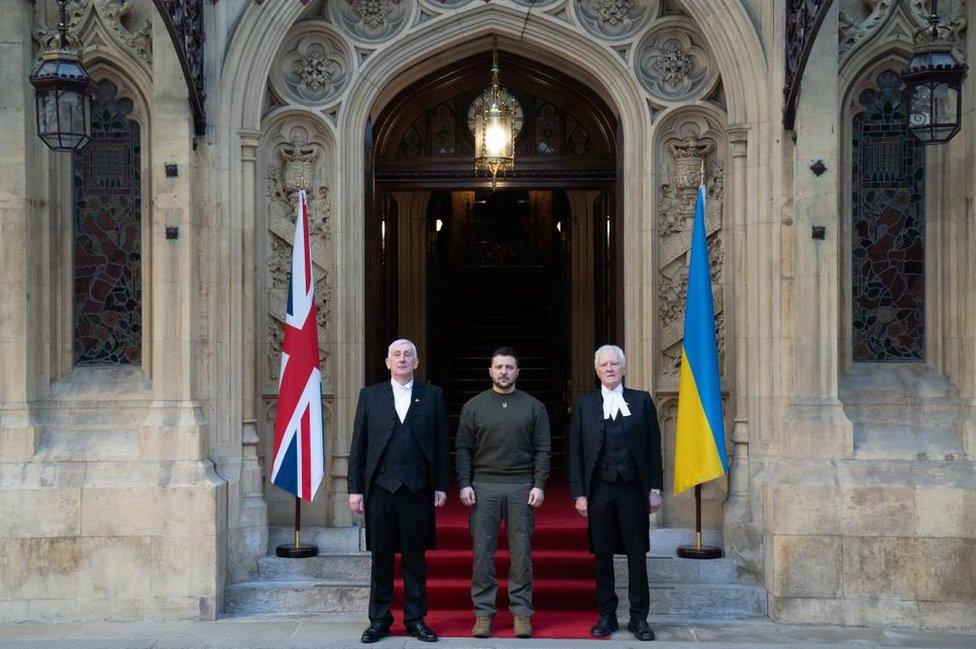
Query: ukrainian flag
699 454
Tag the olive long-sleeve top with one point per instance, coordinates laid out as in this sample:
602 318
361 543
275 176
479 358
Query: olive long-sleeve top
503 438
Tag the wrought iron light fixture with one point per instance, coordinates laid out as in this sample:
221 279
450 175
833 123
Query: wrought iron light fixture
933 80
62 94
494 126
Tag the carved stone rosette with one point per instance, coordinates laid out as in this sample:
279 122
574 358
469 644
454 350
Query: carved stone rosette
673 63
615 20
688 148
314 66
370 22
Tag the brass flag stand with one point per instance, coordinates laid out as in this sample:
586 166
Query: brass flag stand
697 550
297 550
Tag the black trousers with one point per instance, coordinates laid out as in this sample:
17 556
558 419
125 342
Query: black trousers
398 522
618 511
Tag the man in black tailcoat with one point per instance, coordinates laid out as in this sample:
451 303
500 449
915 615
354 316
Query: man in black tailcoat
615 479
398 467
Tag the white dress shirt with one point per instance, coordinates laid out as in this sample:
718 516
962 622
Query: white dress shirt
401 398
613 402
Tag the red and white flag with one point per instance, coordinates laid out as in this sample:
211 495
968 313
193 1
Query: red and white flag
299 446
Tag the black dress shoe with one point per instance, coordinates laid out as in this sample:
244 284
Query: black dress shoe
421 631
641 629
376 631
604 627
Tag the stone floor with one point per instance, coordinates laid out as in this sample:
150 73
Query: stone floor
342 630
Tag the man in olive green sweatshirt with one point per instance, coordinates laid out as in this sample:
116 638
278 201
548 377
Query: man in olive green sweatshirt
502 465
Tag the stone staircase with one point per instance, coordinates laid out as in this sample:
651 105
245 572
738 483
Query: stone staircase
903 411
338 579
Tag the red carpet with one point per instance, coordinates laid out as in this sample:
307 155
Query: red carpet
563 590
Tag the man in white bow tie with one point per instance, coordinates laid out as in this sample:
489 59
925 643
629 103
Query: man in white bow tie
615 478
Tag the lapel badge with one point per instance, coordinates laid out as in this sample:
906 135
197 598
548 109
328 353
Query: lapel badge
417 400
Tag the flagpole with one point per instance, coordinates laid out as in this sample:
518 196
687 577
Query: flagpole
698 550
297 550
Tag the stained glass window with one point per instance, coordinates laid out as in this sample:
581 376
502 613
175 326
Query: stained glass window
107 294
888 229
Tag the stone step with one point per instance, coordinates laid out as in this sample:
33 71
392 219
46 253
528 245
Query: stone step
355 567
328 596
331 540
345 540
665 540
296 597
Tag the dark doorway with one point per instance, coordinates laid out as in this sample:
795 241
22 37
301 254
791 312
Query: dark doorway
498 262
499 276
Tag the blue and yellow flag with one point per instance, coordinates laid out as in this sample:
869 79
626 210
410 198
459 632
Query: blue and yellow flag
699 454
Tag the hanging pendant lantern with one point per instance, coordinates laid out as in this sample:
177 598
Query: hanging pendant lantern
494 127
933 84
62 93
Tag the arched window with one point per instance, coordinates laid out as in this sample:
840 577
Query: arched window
106 195
887 229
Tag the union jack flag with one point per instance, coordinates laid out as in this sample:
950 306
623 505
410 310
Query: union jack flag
299 449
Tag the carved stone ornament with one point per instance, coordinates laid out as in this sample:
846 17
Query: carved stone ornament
370 21
116 16
687 158
672 65
298 159
295 159
861 20
615 19
313 67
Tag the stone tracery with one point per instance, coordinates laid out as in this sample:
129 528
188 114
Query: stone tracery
313 68
672 63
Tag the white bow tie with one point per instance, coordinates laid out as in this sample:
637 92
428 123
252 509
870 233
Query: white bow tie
614 404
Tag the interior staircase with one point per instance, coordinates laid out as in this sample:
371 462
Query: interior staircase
478 310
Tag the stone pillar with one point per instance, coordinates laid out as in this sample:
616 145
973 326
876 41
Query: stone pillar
582 335
253 522
816 426
22 164
966 210
742 539
412 270
174 428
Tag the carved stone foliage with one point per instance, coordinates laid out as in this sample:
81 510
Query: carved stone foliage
615 19
314 66
690 147
861 20
673 63
294 156
130 28
370 21
454 4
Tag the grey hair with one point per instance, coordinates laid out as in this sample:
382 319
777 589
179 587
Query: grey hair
402 341
609 348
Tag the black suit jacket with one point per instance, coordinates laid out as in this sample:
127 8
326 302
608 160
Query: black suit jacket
586 439
376 417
